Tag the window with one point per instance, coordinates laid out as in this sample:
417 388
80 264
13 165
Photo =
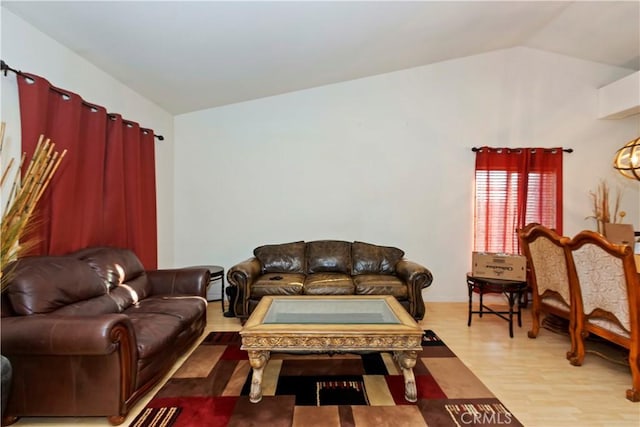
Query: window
514 187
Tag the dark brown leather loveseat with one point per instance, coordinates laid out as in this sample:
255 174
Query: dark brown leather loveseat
328 267
91 332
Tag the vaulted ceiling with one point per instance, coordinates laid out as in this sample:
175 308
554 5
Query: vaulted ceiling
187 56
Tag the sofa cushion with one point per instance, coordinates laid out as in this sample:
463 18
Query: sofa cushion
277 284
184 308
374 259
328 284
329 256
103 304
154 332
42 284
283 258
380 284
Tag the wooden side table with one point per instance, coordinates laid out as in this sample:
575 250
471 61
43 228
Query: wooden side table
513 290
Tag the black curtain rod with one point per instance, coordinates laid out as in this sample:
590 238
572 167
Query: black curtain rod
4 67
566 150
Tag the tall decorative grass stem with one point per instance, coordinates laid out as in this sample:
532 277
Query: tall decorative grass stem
23 198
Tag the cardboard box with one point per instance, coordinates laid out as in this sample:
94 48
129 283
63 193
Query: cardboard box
499 266
620 234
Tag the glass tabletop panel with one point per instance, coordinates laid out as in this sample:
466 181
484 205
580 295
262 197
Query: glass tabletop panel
330 311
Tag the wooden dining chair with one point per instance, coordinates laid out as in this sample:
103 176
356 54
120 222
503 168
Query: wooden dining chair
548 275
606 291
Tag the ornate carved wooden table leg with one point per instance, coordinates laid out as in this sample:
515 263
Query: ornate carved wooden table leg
407 360
258 360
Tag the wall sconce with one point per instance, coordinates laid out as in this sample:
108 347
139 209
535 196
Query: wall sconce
627 160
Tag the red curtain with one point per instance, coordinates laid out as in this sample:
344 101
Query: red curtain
132 207
148 241
515 187
104 191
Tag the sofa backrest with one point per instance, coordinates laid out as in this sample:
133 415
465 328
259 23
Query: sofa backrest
116 267
328 256
282 258
91 281
43 284
374 259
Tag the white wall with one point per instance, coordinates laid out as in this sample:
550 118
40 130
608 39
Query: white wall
388 160
26 48
620 98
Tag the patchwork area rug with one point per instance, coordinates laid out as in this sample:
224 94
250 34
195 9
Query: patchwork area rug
212 389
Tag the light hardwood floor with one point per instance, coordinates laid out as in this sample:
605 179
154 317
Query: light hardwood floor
530 376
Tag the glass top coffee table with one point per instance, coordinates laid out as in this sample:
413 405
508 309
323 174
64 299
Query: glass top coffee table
331 324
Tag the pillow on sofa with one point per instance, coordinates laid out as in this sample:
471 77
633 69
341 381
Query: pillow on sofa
329 256
113 265
374 259
282 258
42 284
119 268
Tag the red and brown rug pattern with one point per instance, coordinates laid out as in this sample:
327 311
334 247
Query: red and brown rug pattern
211 389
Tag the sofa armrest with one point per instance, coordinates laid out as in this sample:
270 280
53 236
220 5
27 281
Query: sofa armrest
242 276
414 273
66 335
86 352
179 281
417 277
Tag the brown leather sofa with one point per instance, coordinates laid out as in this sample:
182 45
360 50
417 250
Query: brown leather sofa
91 332
328 267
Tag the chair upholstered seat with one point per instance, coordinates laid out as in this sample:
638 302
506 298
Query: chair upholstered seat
555 302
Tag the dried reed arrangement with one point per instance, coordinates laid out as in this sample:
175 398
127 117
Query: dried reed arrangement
22 199
602 213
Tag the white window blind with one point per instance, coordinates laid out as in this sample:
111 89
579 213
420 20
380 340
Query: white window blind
497 203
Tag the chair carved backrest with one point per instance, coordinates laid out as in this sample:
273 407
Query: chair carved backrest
605 285
546 255
603 288
550 267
